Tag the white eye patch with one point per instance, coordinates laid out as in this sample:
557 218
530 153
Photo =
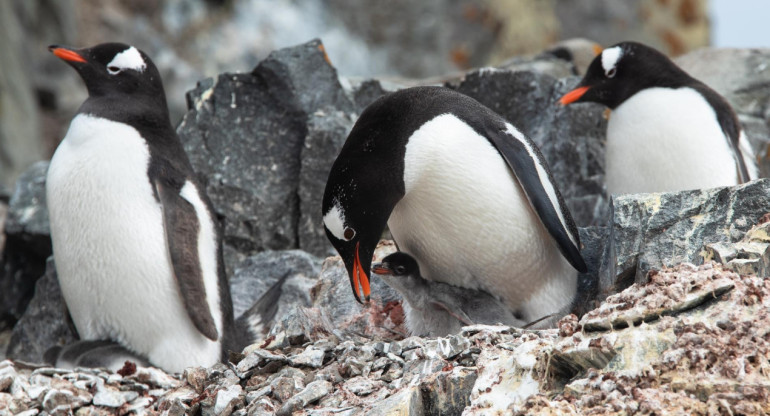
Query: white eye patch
334 220
610 58
128 59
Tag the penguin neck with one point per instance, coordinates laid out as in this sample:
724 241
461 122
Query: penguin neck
149 112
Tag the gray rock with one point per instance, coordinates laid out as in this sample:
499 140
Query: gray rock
366 93
256 274
311 393
244 134
28 242
594 250
570 138
45 323
406 402
650 231
113 398
327 131
448 392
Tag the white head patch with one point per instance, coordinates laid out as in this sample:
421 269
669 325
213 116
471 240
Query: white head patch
128 59
610 58
334 220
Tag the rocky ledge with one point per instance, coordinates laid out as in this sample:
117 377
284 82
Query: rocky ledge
693 340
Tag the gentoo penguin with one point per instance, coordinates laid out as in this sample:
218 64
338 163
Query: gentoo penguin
667 131
135 240
437 309
463 192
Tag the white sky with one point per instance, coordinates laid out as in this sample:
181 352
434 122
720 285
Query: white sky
740 23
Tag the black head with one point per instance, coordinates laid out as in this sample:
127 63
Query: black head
115 69
398 264
366 181
621 71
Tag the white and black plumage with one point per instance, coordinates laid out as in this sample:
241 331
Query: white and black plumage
463 191
438 309
667 131
135 240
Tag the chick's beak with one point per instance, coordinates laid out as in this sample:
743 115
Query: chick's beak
573 95
66 54
381 268
360 278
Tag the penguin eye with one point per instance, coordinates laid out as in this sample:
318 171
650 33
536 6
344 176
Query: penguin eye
400 269
113 69
611 73
349 233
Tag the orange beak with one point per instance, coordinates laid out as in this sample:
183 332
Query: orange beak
360 278
597 49
573 95
66 54
380 268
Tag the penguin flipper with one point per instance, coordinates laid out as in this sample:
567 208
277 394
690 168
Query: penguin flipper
531 170
182 226
457 314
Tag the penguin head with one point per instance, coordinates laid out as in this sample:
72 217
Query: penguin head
113 68
365 183
398 264
621 71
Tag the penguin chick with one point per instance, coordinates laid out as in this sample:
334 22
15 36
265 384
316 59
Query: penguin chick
438 309
667 131
135 239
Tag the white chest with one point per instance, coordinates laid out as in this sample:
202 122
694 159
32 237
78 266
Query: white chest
665 139
110 247
466 220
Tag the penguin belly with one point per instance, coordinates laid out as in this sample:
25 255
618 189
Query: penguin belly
663 140
110 248
468 223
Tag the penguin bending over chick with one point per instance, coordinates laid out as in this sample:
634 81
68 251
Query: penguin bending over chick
135 239
437 309
462 191
667 131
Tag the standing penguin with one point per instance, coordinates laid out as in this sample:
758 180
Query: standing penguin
135 240
463 192
667 131
438 309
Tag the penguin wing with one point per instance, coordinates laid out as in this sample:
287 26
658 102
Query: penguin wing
528 164
730 127
182 227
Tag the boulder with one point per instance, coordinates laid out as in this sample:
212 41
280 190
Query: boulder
652 231
244 134
28 243
45 323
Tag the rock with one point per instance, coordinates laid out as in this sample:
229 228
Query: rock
247 129
406 402
650 231
448 392
570 138
594 250
366 92
333 294
256 274
509 375
111 398
228 400
28 242
327 131
311 393
45 323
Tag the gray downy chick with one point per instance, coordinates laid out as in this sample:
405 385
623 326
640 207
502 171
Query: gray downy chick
438 309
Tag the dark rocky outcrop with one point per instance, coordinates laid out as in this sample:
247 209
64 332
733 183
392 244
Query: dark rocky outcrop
27 245
245 135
